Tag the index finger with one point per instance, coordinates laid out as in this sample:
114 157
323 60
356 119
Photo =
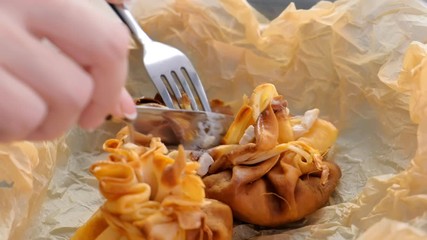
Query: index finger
96 41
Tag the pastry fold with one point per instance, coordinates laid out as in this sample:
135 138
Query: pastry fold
269 171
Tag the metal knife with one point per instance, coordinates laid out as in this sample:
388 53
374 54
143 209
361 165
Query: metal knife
193 129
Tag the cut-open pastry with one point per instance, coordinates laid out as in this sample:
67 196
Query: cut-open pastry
152 193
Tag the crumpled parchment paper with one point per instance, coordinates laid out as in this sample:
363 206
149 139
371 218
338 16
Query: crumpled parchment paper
363 63
25 171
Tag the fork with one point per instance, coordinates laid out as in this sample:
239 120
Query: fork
169 69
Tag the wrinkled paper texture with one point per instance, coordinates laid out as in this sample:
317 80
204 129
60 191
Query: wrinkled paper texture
25 171
361 62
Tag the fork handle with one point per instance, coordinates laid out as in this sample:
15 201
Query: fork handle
126 16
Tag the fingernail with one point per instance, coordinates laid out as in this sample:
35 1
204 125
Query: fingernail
131 116
127 106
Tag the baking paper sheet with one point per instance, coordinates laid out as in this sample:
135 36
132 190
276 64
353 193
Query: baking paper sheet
363 63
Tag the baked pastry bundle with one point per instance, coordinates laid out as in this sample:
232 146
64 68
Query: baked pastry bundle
152 193
271 169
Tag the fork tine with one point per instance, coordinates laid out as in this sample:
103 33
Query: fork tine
197 84
163 91
174 87
182 80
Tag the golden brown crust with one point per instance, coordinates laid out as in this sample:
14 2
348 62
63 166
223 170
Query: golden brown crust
272 177
281 194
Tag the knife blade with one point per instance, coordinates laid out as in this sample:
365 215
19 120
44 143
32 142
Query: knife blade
193 129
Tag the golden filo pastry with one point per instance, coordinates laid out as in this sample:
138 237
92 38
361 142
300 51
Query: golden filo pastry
271 168
152 193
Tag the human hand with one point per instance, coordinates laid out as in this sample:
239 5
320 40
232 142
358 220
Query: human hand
46 90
